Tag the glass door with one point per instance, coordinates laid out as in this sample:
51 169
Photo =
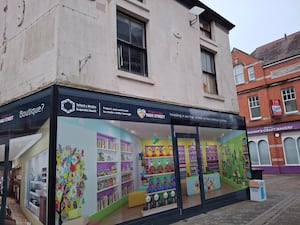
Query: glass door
190 169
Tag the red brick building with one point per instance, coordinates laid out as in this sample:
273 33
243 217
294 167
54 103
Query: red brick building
268 88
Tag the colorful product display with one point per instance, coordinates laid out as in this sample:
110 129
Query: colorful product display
161 185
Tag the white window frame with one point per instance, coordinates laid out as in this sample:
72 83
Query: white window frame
290 95
238 72
295 136
256 105
256 140
251 73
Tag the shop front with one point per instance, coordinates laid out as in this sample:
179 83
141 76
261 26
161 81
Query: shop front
275 149
121 160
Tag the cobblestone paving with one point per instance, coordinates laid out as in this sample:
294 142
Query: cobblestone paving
282 206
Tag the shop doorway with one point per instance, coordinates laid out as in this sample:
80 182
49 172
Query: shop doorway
190 168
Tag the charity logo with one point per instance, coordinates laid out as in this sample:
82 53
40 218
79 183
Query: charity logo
141 113
67 105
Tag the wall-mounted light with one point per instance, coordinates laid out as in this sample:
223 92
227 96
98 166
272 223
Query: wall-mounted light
196 10
277 135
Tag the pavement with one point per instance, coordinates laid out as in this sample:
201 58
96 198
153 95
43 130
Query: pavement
282 206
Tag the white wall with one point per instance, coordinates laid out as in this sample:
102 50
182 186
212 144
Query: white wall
73 29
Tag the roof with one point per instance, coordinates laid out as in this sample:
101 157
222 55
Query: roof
208 13
278 50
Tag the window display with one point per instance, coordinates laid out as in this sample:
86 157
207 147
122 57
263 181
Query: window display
37 185
116 159
24 129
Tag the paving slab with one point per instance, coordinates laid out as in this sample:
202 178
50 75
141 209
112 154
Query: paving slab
282 206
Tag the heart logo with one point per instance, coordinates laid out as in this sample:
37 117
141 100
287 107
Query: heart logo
141 113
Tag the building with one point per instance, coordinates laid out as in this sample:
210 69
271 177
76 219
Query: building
267 83
119 111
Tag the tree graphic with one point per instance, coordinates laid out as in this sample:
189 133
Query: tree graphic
70 182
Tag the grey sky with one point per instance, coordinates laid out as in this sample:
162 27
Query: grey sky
257 22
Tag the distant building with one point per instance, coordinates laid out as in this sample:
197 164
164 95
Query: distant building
268 88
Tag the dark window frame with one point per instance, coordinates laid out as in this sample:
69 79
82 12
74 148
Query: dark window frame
209 71
132 53
205 28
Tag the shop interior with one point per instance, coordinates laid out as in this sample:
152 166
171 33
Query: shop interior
133 164
136 171
16 182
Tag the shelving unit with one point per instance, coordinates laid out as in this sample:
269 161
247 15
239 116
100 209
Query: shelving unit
107 170
246 159
212 158
193 160
161 180
114 170
37 189
126 167
36 185
182 163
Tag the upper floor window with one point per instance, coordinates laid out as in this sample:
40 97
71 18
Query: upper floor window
209 72
254 107
238 72
289 99
205 28
251 73
131 45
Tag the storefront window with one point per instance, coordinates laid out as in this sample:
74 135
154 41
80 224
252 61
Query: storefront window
264 153
120 159
24 129
226 160
290 151
126 167
298 145
2 150
253 153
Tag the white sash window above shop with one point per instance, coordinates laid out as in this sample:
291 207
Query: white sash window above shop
209 72
238 72
289 100
254 108
131 45
251 73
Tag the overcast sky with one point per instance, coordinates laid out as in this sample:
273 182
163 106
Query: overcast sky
257 22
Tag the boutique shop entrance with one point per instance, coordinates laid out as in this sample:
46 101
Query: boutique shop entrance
190 169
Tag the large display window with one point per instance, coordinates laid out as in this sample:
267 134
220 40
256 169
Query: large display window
96 157
127 168
24 141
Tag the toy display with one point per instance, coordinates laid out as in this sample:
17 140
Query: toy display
159 172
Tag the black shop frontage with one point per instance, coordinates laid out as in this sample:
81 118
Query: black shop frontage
84 156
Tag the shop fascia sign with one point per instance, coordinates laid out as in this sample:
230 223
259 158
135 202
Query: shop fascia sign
76 106
274 128
6 118
32 111
23 113
16 117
